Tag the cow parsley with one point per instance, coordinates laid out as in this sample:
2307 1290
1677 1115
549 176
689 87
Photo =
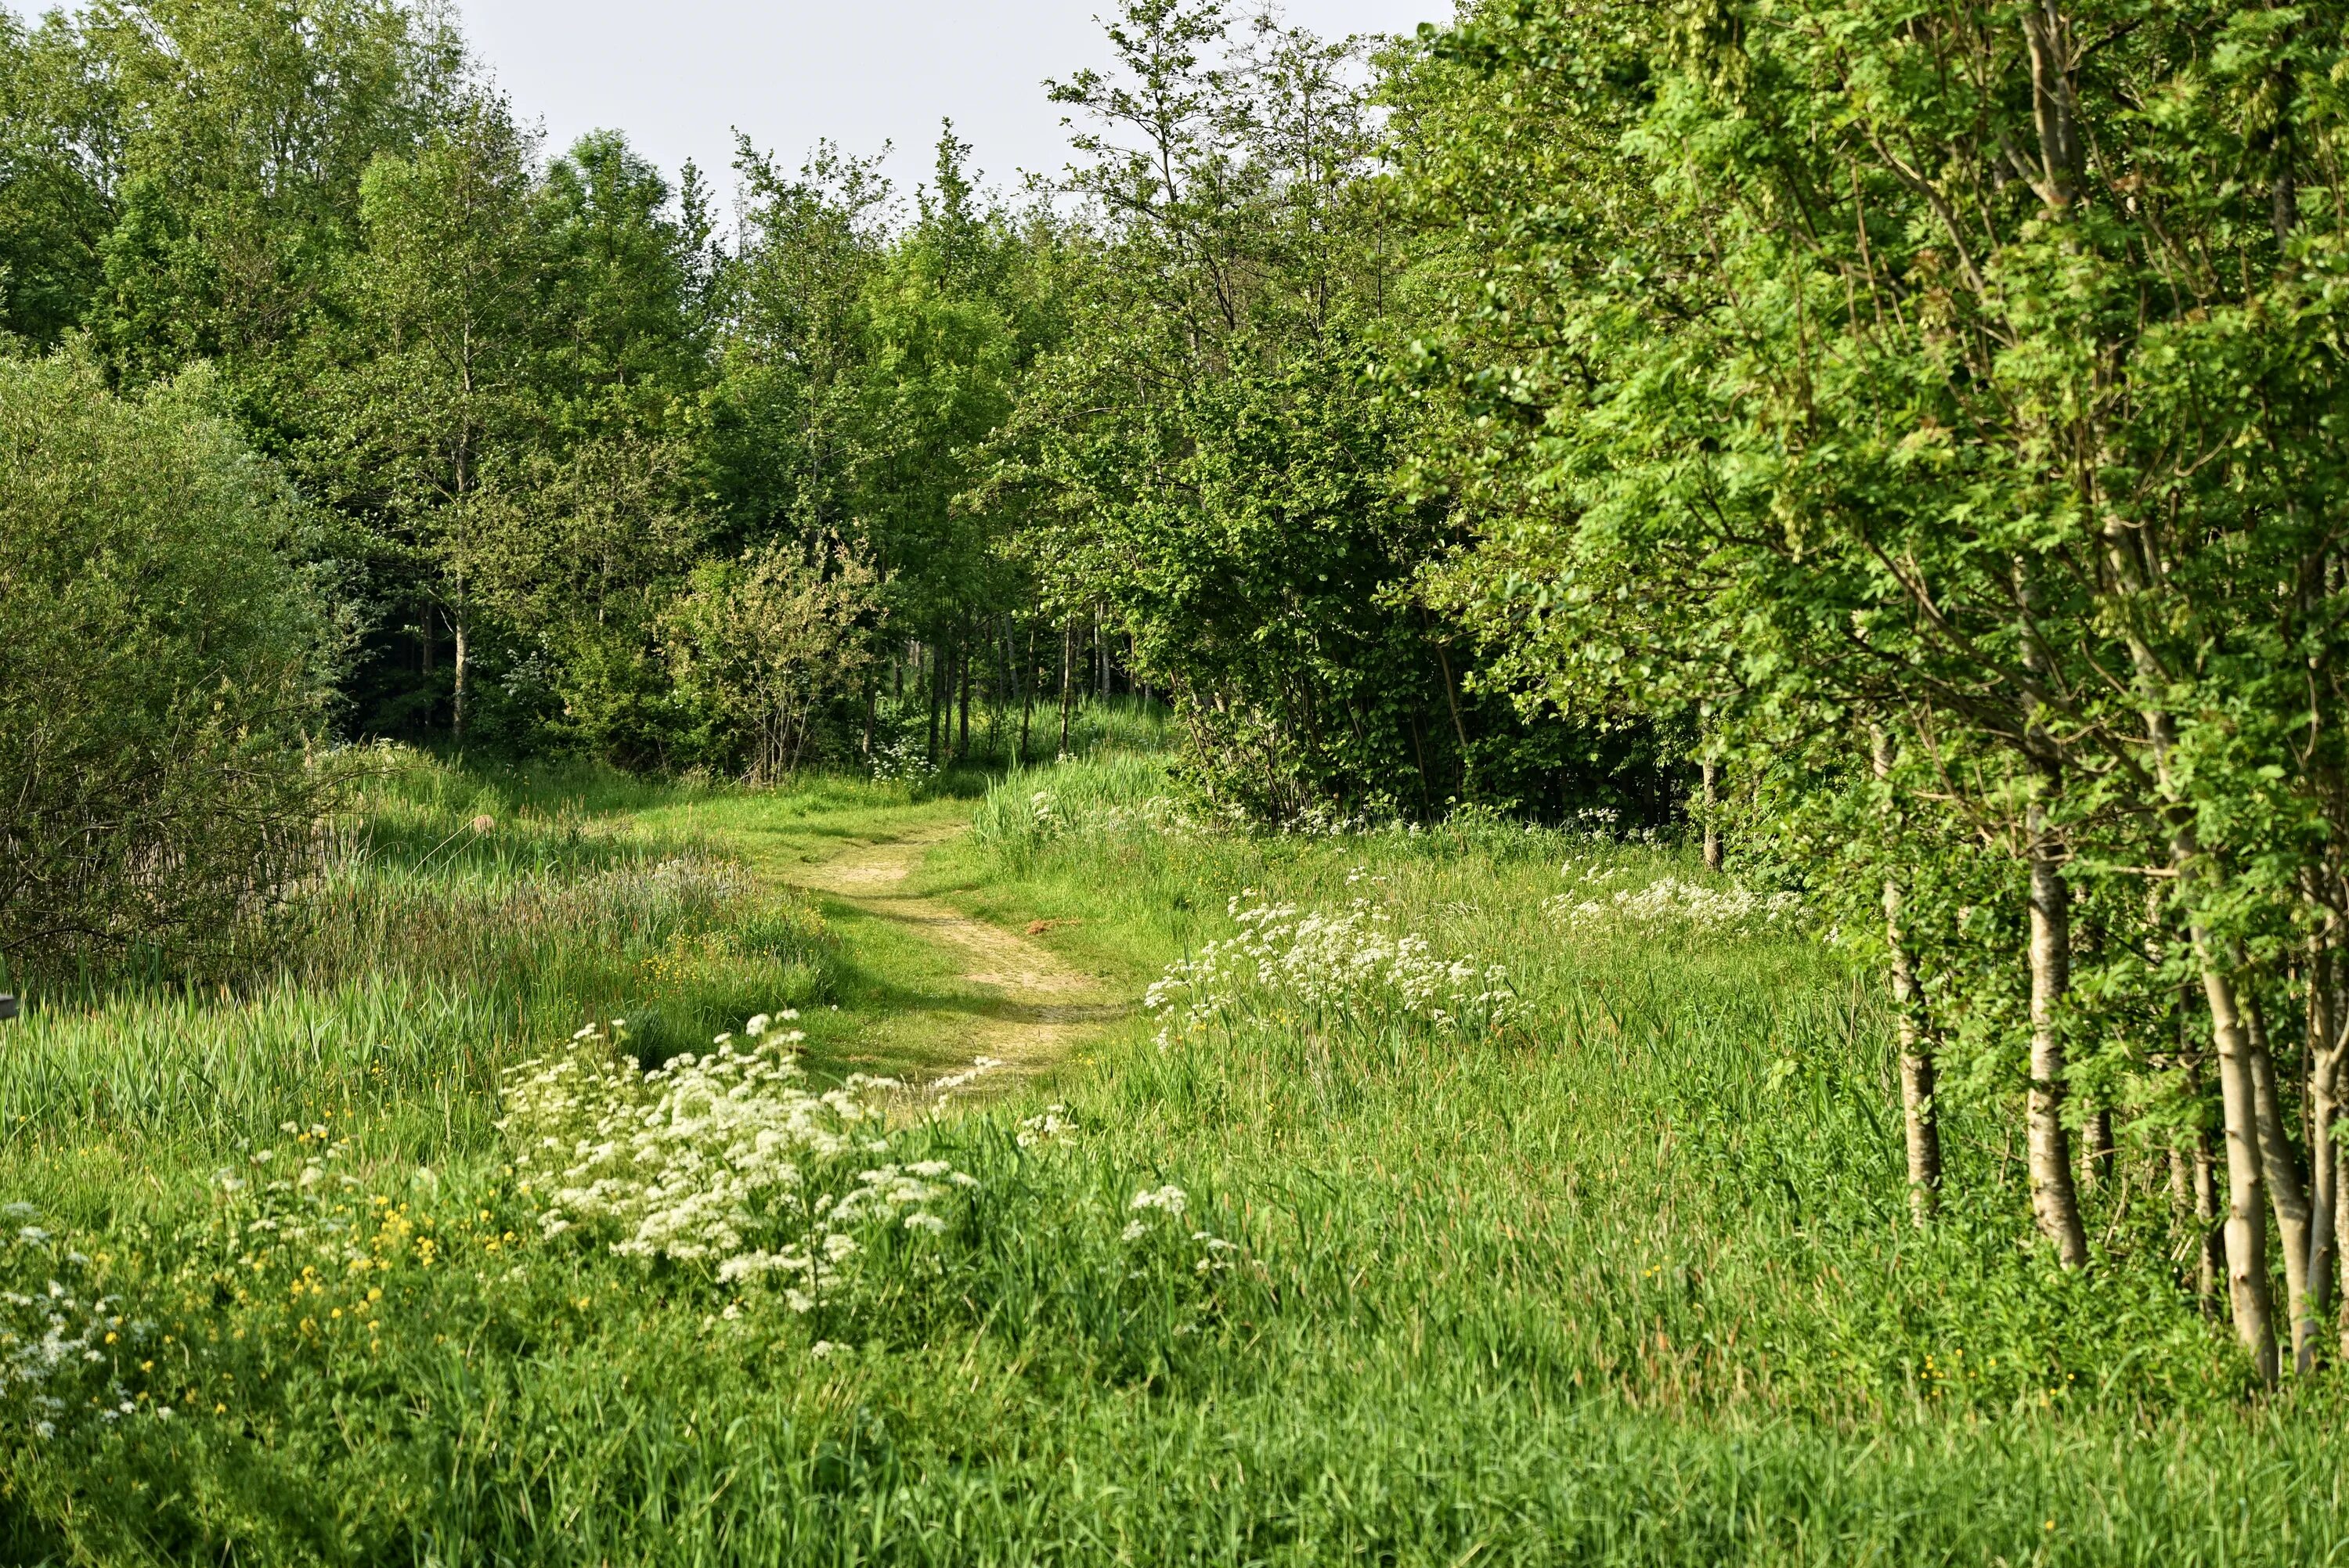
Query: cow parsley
1348 967
1669 901
725 1162
59 1339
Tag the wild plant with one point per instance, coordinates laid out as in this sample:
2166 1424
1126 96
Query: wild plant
725 1163
60 1336
1349 969
1670 902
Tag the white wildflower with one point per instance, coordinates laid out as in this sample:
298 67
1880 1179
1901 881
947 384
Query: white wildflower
1170 1198
1349 967
727 1160
1671 902
1052 1129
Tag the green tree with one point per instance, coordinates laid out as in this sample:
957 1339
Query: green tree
435 387
245 131
760 646
787 439
163 667
1211 453
1963 373
623 291
60 150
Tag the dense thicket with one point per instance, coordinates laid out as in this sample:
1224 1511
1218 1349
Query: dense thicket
1938 405
163 665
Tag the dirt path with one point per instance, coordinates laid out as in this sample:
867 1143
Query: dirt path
1043 1007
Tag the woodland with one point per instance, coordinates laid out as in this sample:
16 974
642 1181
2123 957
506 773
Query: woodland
1571 791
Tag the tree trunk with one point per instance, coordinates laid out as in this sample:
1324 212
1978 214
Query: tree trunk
2193 1208
1919 1117
1067 678
937 673
2054 1199
2247 1230
2210 1237
2246 1226
2325 1197
1452 705
2096 1148
460 665
2325 1050
962 674
1027 692
1712 823
2287 1188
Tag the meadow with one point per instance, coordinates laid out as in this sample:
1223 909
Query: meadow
1460 1195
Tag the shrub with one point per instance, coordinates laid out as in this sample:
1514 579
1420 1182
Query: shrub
162 666
760 646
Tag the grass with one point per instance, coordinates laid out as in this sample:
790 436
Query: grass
1625 1281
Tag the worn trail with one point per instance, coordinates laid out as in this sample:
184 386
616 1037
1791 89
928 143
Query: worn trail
1040 1007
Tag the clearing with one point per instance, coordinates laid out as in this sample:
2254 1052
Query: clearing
1454 1213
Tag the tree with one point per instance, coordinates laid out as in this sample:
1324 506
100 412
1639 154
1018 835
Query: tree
244 132
163 668
762 644
57 156
1211 453
1963 371
436 380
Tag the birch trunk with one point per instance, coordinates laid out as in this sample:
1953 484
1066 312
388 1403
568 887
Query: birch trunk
2287 1189
1920 1123
2196 1184
2326 1042
1027 684
461 663
2246 1223
1068 674
2054 1199
2247 1232
2324 1198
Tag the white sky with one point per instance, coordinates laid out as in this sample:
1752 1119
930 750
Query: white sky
679 76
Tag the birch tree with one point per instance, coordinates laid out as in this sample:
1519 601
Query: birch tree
1971 367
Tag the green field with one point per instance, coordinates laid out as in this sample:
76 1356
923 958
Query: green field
1602 1260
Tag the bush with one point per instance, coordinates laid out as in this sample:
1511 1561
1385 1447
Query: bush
162 668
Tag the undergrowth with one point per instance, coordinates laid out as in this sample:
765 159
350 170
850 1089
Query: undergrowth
1443 1210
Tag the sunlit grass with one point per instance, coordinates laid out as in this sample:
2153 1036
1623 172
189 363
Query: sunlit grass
1626 1280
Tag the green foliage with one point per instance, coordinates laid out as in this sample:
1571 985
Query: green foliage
766 646
53 198
1937 406
228 144
1644 1252
165 668
1213 451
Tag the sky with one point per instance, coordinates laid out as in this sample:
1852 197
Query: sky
681 76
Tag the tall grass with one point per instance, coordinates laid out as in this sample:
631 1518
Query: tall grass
461 919
1628 1279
